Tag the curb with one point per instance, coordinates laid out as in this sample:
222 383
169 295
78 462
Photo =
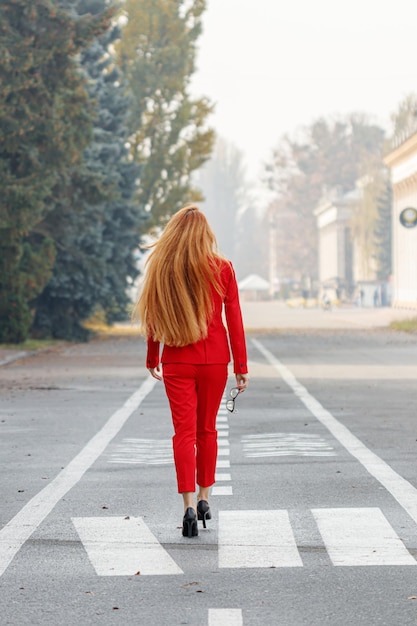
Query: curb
14 357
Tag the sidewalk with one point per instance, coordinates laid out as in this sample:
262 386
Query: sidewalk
277 315
8 356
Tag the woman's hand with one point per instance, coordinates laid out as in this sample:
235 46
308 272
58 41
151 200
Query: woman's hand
242 381
156 372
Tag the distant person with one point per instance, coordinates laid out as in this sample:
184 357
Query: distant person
376 297
327 305
187 284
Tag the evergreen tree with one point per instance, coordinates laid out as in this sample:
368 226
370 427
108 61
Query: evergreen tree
94 222
44 125
169 136
383 232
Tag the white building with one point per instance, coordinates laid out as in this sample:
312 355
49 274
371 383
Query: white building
402 161
343 265
336 251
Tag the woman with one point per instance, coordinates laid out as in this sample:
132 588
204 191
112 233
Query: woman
185 287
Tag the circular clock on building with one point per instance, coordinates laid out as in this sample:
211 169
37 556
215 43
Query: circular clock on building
408 217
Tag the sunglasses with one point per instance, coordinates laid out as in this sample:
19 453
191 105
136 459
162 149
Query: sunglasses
230 404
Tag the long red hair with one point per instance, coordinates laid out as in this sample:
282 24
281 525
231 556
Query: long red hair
175 304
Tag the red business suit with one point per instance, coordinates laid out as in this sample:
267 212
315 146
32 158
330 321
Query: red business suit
195 377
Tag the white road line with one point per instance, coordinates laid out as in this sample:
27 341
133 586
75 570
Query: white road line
222 477
361 537
286 444
24 523
222 463
257 539
143 452
224 490
225 617
118 546
222 426
398 487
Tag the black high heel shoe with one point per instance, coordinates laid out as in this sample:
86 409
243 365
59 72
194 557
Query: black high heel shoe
189 523
203 511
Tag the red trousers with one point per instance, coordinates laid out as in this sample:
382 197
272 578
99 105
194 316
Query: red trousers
194 393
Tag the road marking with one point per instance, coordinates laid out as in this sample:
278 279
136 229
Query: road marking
119 546
222 426
25 522
222 463
143 452
285 444
122 546
222 477
396 485
361 537
223 490
256 539
225 617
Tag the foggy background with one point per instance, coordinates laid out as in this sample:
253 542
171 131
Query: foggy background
287 81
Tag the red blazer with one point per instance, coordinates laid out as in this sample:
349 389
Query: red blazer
215 348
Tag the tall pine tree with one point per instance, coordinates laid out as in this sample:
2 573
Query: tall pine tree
95 223
44 126
383 232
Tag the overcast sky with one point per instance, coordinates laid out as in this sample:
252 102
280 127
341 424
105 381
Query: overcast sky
271 66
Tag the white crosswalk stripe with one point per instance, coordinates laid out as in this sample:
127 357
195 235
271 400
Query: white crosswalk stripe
123 546
361 537
286 444
225 617
143 452
118 546
256 539
222 490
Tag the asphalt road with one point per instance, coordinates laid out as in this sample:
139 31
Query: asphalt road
314 510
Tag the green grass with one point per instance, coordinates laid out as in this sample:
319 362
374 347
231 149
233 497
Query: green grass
101 330
407 326
30 344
